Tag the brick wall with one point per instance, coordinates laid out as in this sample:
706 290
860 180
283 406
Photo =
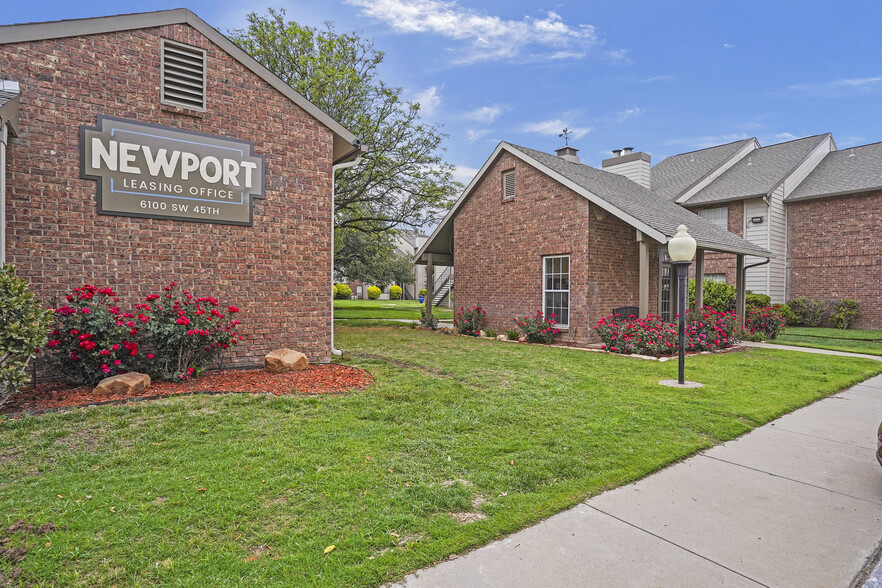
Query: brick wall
834 252
277 272
499 246
724 263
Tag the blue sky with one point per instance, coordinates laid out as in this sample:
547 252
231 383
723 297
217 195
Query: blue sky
662 77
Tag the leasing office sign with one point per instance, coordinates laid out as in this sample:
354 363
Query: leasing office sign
160 172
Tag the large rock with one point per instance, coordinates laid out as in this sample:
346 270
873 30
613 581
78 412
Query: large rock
284 360
128 384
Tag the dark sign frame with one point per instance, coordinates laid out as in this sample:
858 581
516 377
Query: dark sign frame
250 195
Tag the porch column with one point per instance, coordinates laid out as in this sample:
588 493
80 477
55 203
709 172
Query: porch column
699 279
643 284
430 283
740 289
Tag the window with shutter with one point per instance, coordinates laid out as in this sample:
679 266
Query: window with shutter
183 75
508 185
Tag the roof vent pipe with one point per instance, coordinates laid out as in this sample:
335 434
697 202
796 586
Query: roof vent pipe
616 152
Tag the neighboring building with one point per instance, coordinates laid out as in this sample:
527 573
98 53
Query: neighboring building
147 148
817 209
537 232
800 217
408 244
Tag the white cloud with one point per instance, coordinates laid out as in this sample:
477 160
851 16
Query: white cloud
840 87
729 46
485 114
554 127
617 56
785 136
485 38
622 116
473 135
661 78
464 174
429 100
704 141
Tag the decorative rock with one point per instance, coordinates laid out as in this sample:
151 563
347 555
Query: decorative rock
284 360
128 384
482 333
501 337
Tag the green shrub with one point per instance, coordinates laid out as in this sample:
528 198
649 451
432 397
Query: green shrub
374 292
428 320
422 291
394 292
844 313
512 334
757 300
717 295
807 312
23 327
471 321
335 291
537 328
785 313
765 323
343 292
490 333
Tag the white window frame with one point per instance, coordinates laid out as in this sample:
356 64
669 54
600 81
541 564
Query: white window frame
719 216
718 278
510 173
545 291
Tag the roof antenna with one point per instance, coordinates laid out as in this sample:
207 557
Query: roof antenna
566 135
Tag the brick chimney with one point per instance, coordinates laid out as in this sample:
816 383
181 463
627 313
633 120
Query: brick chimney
634 166
568 154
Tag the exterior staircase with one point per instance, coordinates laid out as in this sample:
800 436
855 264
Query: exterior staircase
445 284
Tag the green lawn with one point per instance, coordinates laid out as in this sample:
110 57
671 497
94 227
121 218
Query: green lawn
251 490
384 309
855 340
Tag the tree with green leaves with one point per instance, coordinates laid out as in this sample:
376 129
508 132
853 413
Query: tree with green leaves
370 258
402 180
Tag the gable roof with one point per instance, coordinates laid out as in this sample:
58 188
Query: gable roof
759 173
656 217
346 144
674 175
849 171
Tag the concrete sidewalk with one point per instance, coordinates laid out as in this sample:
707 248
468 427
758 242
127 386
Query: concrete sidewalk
797 502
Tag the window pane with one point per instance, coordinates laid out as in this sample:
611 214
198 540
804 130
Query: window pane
565 265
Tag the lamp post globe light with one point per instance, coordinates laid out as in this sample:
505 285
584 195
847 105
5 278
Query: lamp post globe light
681 250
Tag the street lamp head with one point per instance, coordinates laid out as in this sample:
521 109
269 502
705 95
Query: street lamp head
682 246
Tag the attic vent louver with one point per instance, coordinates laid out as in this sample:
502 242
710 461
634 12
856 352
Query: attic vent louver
508 185
183 75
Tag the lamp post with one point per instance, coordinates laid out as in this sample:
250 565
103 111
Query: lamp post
681 250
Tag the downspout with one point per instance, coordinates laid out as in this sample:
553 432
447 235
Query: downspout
334 168
4 137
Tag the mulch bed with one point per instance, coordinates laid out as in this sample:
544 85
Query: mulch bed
315 379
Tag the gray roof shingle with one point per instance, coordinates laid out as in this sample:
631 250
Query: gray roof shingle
856 169
658 213
758 173
676 174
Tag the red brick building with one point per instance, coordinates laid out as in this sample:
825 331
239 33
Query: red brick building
239 204
537 232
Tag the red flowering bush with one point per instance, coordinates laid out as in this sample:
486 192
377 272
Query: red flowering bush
93 338
763 323
184 334
471 321
171 336
538 328
707 330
